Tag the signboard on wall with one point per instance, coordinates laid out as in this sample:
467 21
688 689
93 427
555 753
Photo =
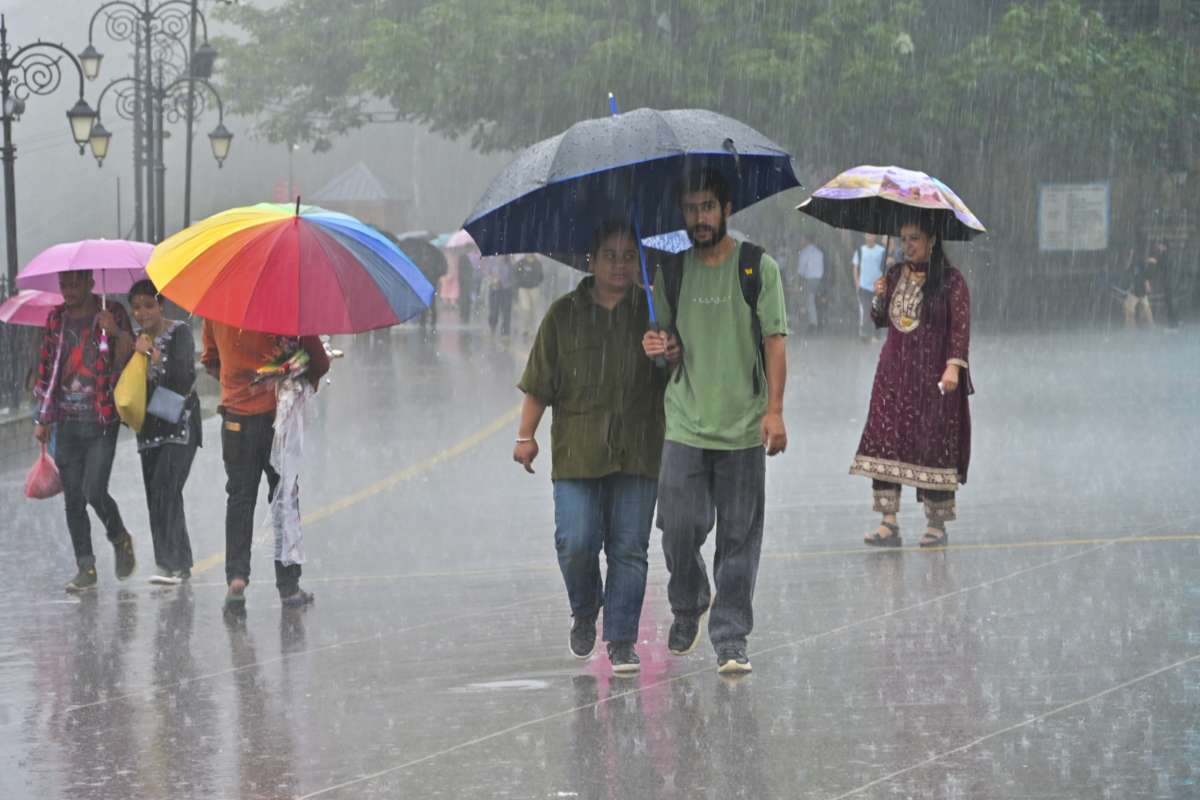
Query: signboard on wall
1073 216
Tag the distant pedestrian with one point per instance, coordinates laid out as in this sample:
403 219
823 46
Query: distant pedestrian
499 274
810 268
247 409
606 441
528 275
84 349
868 265
918 429
466 287
1143 274
167 447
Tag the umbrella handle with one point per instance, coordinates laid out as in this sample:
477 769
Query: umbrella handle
659 360
103 333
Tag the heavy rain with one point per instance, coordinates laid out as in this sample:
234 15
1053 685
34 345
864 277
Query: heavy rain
581 399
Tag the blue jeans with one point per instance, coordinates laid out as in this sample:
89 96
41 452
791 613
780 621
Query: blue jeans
614 513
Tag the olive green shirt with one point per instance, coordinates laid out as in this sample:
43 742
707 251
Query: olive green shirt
587 363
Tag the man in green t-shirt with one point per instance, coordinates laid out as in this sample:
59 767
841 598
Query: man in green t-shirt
724 414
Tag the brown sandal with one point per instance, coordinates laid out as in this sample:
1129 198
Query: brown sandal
935 539
875 539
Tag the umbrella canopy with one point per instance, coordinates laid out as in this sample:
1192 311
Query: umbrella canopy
116 264
678 241
429 259
624 166
30 307
881 199
290 270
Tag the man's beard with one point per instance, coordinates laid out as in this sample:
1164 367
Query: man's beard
715 236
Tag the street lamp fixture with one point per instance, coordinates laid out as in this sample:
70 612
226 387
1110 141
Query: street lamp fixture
220 138
99 142
89 59
82 118
203 60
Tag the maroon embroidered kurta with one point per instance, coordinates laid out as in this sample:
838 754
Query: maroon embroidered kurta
914 435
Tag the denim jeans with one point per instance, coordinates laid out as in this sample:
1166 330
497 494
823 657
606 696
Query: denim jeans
613 513
84 455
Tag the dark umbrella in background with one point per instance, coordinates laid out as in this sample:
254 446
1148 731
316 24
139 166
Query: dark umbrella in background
554 194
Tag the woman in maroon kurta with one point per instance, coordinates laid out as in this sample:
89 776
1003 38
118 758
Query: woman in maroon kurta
918 430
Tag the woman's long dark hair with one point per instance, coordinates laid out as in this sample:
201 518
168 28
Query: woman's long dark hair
935 279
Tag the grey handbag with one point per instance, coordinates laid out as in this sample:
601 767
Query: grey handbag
166 405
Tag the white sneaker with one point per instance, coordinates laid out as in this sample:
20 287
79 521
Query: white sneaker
165 578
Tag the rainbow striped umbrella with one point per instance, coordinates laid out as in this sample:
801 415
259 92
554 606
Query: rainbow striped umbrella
289 270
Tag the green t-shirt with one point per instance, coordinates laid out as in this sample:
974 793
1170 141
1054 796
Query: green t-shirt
712 404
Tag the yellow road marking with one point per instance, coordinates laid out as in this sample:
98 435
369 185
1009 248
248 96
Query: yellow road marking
390 482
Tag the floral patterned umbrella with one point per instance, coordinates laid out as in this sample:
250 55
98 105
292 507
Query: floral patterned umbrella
881 199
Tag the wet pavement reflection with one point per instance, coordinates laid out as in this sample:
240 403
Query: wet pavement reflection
1054 651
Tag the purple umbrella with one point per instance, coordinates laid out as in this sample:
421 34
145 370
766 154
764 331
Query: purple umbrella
115 264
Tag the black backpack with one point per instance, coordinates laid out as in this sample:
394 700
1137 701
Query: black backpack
749 278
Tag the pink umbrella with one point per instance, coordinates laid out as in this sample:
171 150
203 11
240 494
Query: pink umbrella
115 264
30 307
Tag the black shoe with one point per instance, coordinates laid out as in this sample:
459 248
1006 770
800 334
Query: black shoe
84 580
685 633
583 636
731 659
624 658
297 599
126 561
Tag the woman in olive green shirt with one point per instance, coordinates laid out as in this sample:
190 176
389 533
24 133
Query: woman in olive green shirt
606 439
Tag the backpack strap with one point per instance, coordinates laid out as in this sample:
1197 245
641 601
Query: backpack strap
750 279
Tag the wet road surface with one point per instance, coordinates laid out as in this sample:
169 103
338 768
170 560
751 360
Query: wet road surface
1052 651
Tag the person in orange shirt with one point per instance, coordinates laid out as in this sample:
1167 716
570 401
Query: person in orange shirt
247 409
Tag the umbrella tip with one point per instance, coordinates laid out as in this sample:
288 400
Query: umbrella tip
297 205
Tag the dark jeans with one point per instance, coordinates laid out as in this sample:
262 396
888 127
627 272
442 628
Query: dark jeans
430 316
84 455
246 447
697 488
500 302
614 513
165 470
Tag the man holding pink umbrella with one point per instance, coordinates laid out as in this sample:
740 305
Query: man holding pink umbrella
86 345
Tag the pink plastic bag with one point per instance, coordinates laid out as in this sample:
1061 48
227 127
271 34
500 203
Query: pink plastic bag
43 481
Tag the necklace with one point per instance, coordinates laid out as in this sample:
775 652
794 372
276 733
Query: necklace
905 309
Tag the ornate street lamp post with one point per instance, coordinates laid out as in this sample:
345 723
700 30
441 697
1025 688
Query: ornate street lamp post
35 69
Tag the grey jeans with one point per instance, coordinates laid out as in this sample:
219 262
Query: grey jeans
697 489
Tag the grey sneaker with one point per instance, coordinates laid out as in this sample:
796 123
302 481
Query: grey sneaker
165 577
731 659
583 636
84 580
624 658
126 561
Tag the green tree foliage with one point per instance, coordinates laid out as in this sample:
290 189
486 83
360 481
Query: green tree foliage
839 82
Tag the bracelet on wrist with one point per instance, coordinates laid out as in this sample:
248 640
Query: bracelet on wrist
523 439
